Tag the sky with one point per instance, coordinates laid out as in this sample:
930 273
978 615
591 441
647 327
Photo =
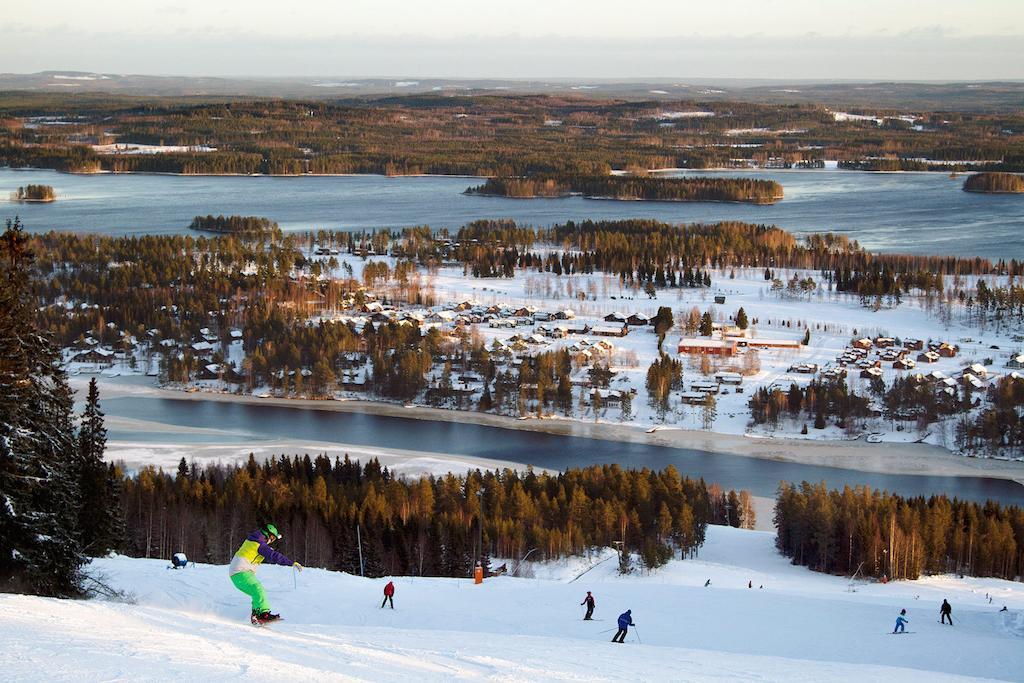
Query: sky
791 39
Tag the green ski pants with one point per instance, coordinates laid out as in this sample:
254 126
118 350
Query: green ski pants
251 586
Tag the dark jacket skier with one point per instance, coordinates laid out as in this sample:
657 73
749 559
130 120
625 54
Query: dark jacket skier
946 611
389 595
589 602
625 621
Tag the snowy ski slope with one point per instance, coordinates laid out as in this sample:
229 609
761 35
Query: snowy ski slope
191 625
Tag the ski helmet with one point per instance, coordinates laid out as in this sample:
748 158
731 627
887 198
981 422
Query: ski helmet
270 530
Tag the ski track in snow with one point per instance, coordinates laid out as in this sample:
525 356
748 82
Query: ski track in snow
191 625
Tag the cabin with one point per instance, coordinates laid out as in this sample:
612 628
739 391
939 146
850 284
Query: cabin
913 344
729 378
711 347
565 314
884 342
945 349
693 397
771 344
862 343
970 380
928 357
608 396
96 355
871 373
804 368
705 387
1017 362
611 331
719 299
834 373
904 364
638 320
976 369
615 317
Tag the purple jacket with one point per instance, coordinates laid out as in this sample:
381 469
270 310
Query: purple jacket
254 551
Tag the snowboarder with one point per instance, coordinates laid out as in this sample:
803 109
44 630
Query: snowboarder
255 549
750 584
946 611
707 583
389 595
900 621
589 602
625 621
1004 609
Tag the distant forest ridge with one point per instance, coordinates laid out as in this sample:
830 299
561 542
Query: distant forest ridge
995 183
635 188
490 135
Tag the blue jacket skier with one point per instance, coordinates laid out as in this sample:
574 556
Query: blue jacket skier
625 621
900 621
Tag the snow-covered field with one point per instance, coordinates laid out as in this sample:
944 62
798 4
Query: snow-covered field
191 625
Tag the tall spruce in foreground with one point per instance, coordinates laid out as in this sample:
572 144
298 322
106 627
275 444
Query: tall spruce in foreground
39 548
99 509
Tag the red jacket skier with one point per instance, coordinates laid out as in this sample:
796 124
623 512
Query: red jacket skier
389 595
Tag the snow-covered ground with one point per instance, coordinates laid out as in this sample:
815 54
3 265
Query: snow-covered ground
192 625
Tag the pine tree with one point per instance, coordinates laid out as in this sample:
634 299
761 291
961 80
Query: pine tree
99 506
741 319
39 549
706 325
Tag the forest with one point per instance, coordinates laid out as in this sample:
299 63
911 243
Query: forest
994 183
233 224
486 135
34 193
877 534
635 188
426 526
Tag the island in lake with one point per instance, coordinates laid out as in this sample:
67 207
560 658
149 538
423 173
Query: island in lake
995 183
34 193
233 224
642 188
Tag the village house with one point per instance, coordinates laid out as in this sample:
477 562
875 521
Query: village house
884 342
638 320
711 347
770 344
610 331
905 363
871 373
804 368
615 317
928 357
913 344
729 377
1016 362
862 343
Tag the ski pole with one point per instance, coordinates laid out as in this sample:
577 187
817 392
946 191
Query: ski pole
637 634
295 578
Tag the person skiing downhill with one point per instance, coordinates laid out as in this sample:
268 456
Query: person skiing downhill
625 621
900 621
946 611
389 595
589 602
255 549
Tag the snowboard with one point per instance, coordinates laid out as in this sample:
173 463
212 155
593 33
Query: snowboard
260 624
902 633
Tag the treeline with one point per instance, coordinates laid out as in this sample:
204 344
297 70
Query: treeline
878 534
428 526
819 400
998 427
635 188
484 135
233 224
994 183
34 193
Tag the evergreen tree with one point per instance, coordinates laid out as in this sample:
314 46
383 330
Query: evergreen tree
99 506
741 319
706 326
39 549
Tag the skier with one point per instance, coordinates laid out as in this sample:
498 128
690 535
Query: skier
625 621
589 602
900 621
946 611
389 595
707 583
750 584
255 549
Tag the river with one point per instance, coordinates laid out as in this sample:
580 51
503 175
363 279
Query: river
923 213
248 425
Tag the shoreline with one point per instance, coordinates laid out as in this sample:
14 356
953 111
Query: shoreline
883 458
